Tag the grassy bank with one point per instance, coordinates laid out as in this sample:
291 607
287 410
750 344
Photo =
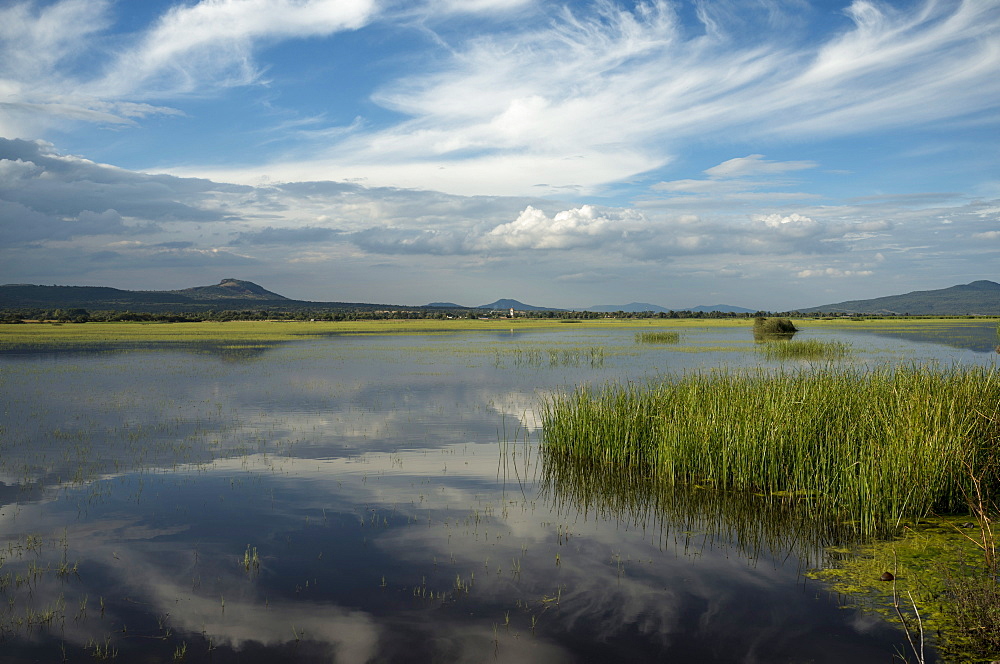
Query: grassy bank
866 450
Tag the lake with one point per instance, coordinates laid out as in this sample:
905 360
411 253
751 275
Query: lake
380 498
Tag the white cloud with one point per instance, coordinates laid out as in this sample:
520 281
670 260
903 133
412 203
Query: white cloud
618 80
515 108
64 215
738 180
833 272
58 62
580 227
753 165
212 42
794 224
475 6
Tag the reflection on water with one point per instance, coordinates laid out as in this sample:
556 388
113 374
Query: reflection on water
391 489
754 525
977 336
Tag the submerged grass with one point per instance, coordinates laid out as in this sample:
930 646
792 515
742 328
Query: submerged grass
551 357
938 568
866 450
657 337
811 349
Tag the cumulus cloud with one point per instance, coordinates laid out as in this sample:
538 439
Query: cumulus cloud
795 224
65 215
585 226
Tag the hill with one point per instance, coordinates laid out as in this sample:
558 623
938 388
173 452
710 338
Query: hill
979 297
444 305
228 294
725 308
502 304
228 289
631 307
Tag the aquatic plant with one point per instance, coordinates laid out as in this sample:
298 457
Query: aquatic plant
811 349
657 337
551 357
763 325
862 449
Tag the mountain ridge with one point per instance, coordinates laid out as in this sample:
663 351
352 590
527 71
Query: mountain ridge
980 297
507 303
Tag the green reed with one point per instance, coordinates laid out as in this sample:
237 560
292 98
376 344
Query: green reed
811 349
657 337
862 449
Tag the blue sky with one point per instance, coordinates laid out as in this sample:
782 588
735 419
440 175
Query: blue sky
771 154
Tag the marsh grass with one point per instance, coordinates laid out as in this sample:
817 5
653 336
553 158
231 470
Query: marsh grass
811 349
973 617
865 450
657 337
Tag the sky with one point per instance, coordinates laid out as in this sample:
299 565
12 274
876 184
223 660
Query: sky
770 154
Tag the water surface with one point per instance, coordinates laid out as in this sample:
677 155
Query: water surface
378 498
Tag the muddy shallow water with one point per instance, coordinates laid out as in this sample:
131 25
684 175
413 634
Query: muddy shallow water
378 498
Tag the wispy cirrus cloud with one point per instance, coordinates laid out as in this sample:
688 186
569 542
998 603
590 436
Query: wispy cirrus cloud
212 43
580 98
566 99
61 64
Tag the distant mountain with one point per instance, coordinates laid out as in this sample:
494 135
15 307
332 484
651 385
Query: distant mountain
444 305
228 294
515 305
88 297
631 307
634 307
978 297
725 308
228 289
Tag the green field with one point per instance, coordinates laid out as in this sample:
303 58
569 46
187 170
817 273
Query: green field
274 331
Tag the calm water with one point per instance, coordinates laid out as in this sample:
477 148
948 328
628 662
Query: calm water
356 499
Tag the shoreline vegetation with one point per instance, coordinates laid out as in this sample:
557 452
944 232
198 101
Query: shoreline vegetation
268 331
868 450
863 457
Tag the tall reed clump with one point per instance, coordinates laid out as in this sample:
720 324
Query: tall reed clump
765 326
865 450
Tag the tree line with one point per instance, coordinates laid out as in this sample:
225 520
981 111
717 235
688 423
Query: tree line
79 315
